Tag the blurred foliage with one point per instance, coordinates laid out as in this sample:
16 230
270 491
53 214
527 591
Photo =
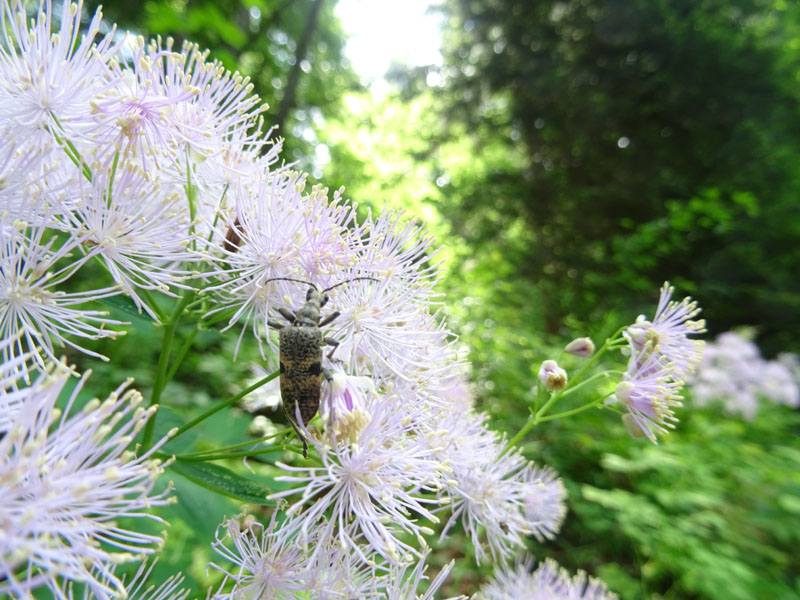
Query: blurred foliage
709 513
712 512
660 142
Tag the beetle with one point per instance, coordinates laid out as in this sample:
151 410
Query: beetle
300 344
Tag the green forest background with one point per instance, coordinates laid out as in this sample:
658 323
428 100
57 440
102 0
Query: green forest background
571 156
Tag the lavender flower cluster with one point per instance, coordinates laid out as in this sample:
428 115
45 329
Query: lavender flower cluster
734 372
153 162
662 357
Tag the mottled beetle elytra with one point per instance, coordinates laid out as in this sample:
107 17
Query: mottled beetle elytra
301 343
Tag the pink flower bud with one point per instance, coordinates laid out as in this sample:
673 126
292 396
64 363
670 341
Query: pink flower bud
552 376
580 347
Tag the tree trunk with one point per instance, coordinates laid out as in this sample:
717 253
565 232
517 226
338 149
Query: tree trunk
287 101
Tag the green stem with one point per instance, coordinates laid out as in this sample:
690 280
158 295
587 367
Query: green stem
578 386
151 302
114 165
217 318
539 417
224 455
181 354
575 382
538 399
163 360
70 150
197 302
574 411
236 446
539 414
543 411
520 434
224 404
220 202
609 341
191 197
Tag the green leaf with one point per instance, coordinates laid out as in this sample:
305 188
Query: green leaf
200 509
223 481
168 419
789 503
123 304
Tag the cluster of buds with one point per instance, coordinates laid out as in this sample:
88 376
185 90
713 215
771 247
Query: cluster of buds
553 377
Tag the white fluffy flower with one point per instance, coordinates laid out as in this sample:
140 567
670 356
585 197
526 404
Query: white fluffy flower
385 332
544 500
34 309
377 483
342 573
283 560
280 232
66 480
385 327
547 582
141 234
400 584
269 562
171 105
233 165
667 333
497 495
49 77
649 390
139 586
24 177
11 372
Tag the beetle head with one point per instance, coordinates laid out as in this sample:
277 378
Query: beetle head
322 297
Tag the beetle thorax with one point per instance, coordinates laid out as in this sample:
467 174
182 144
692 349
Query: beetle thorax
310 313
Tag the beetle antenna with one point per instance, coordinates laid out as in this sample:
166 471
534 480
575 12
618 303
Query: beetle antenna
348 281
311 283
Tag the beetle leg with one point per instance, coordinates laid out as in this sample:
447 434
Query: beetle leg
331 342
329 318
287 314
275 324
300 434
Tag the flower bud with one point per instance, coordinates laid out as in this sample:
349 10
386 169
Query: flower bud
580 347
634 430
552 376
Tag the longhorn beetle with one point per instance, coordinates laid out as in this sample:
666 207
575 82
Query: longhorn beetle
301 345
